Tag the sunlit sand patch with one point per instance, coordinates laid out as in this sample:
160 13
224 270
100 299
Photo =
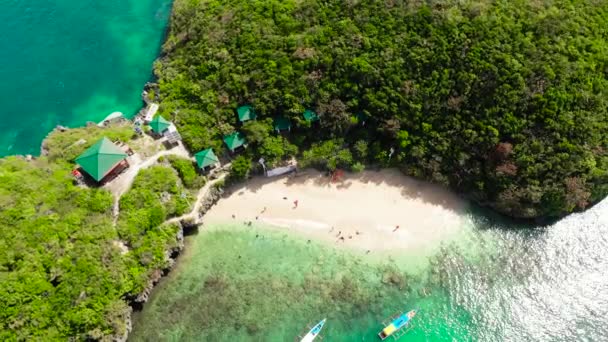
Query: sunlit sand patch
369 211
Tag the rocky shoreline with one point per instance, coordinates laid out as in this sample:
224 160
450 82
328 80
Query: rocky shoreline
186 227
150 88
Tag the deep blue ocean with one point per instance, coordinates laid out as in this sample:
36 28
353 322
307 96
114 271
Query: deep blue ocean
72 61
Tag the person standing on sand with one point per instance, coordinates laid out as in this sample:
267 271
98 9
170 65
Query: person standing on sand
295 204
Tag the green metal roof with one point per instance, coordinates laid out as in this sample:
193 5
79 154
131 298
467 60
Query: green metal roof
246 113
310 115
205 158
159 124
100 158
361 116
234 140
282 123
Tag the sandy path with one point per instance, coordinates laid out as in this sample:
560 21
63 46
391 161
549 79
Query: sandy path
361 212
122 183
202 193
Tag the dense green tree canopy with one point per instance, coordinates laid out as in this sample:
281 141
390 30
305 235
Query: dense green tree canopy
66 268
505 101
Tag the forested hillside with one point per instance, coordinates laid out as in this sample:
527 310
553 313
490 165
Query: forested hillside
504 101
66 269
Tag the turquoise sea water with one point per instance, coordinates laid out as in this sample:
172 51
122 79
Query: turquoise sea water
72 61
497 282
67 62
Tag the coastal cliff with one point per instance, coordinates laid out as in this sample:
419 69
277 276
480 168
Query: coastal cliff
92 265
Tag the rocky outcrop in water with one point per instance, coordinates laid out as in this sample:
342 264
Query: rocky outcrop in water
150 93
214 195
44 150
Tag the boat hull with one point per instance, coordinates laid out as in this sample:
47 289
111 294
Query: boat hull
314 332
398 323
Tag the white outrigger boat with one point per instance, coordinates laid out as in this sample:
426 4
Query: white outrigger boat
314 332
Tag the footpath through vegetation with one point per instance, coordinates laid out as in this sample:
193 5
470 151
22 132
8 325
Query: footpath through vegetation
503 101
67 268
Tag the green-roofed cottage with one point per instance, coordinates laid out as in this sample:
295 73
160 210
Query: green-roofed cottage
361 118
234 141
246 113
206 158
159 125
310 115
102 159
282 124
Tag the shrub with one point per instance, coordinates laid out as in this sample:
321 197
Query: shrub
274 149
219 184
357 167
328 155
241 166
360 149
187 171
68 145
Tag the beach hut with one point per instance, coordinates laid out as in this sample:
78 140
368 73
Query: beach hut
310 115
246 113
102 160
206 159
235 141
159 125
282 124
361 118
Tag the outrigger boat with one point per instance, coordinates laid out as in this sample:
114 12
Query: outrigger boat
314 332
397 325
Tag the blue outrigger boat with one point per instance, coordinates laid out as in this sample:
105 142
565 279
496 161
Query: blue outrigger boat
397 326
314 332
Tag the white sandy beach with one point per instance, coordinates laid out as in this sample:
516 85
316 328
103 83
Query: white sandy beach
360 212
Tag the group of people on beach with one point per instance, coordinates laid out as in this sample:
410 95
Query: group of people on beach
339 236
295 206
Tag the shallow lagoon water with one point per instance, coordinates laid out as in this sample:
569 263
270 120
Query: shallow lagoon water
67 62
72 61
494 283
